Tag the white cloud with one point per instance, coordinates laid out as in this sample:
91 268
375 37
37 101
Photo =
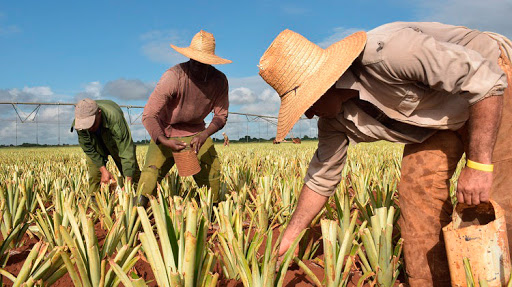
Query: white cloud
242 96
92 90
27 94
126 89
490 15
338 34
156 46
253 95
38 91
55 114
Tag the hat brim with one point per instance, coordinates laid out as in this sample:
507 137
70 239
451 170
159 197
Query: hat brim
338 58
202 57
84 123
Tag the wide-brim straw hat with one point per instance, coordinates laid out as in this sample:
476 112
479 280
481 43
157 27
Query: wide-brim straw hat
186 162
202 49
301 72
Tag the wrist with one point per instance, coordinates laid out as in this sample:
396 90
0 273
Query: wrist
479 166
161 139
204 134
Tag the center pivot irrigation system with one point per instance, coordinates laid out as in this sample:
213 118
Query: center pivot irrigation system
134 118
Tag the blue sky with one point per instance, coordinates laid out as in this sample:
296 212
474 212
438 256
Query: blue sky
53 51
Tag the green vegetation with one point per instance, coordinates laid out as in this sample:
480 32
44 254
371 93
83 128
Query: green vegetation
261 183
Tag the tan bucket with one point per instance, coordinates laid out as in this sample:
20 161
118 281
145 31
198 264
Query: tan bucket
478 233
186 162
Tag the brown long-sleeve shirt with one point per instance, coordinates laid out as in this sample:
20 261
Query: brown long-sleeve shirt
180 103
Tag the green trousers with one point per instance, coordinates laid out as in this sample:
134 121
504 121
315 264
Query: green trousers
94 173
159 161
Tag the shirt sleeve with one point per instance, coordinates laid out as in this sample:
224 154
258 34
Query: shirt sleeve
164 90
85 142
417 57
324 172
220 108
123 139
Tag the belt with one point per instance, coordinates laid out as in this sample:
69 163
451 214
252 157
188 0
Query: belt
386 121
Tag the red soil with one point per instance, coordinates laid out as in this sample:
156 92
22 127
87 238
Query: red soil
295 276
15 262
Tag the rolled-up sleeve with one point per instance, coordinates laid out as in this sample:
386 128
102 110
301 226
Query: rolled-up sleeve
324 172
220 108
417 57
157 101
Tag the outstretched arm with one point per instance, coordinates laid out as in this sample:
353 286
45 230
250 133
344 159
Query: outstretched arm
323 175
308 206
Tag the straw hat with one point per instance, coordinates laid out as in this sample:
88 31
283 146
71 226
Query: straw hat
301 72
202 49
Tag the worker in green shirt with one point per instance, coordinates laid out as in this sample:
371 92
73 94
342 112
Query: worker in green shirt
103 131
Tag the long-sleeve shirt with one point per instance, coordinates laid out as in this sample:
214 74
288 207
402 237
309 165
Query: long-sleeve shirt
426 75
179 104
113 137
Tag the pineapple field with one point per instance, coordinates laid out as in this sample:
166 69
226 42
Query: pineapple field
53 233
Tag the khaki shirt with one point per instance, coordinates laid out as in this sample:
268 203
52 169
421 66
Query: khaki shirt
423 74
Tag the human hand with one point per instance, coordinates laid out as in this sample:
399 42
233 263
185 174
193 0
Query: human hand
106 176
474 186
174 145
198 141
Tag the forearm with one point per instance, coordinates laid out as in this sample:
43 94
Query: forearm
211 129
153 128
484 120
309 205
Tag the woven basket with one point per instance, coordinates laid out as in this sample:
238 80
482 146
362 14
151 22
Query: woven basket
186 162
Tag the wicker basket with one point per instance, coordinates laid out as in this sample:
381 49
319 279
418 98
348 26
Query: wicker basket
186 162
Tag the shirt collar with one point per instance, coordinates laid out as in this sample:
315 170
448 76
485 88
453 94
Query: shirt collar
347 81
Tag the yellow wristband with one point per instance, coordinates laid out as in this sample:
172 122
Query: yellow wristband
479 166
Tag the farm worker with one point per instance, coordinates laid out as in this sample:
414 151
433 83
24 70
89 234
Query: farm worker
102 131
226 139
441 90
175 112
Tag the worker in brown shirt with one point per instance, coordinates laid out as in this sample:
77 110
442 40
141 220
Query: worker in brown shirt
439 89
175 112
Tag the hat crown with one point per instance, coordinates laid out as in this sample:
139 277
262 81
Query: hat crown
203 42
86 108
289 61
